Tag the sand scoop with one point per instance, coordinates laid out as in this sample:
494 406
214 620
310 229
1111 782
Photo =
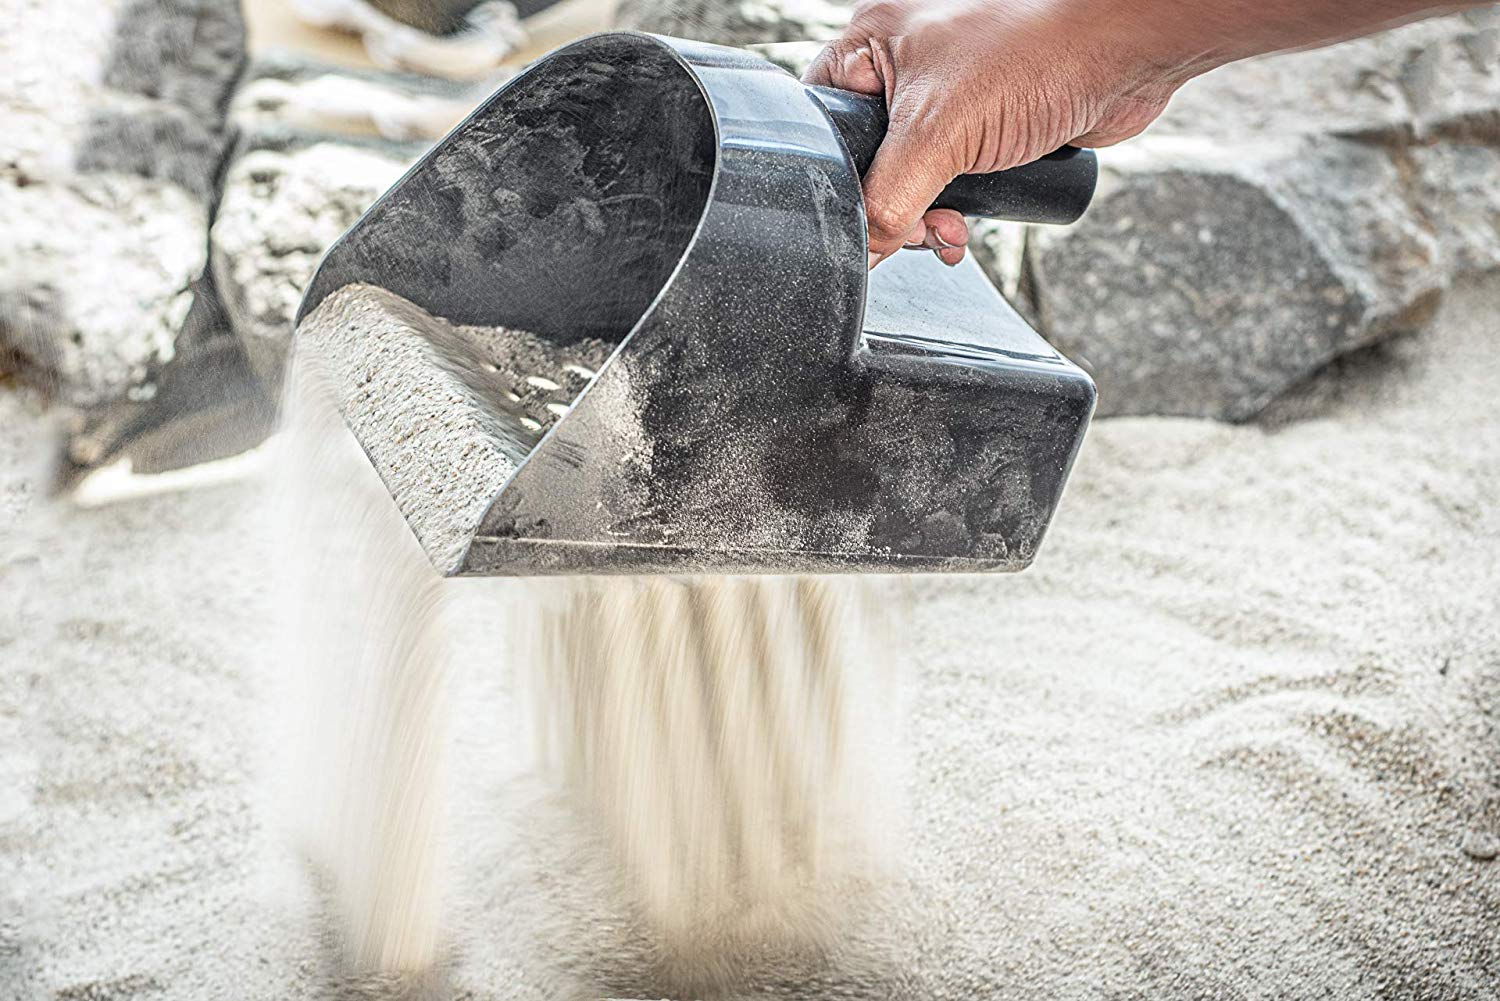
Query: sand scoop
619 321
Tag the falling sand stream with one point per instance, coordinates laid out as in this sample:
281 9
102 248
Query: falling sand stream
728 741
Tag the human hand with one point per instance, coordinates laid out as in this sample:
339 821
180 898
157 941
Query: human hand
974 86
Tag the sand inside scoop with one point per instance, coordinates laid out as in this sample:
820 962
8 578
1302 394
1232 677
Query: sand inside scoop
445 412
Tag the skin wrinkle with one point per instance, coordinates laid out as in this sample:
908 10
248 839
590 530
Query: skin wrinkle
975 86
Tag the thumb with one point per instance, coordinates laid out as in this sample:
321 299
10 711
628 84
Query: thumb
846 64
910 170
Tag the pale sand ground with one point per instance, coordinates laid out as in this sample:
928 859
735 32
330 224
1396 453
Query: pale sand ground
1229 738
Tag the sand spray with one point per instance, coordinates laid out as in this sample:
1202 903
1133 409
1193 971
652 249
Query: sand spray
365 646
733 740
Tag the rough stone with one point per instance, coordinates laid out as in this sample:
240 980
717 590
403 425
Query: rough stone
97 85
279 212
95 280
1421 80
736 22
1285 211
317 144
187 53
1207 279
1458 186
158 141
113 114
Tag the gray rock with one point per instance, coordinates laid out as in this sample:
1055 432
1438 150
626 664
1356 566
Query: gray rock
95 279
1285 211
1481 846
159 141
736 22
156 90
279 212
113 113
1207 279
1422 79
1457 185
316 145
186 53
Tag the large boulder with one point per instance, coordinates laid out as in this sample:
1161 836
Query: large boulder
280 211
113 112
1207 279
95 280
1283 212
317 145
1409 83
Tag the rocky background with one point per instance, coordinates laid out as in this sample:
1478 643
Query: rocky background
164 197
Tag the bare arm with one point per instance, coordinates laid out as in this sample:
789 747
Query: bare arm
1237 29
981 85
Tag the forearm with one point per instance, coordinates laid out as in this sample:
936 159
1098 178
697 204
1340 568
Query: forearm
1199 35
975 86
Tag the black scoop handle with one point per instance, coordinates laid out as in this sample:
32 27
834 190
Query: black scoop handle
1055 189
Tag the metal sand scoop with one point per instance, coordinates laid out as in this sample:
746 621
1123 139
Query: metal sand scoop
619 321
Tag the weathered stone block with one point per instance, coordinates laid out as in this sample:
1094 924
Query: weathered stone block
279 212
95 280
1457 185
113 115
1284 211
1207 279
1397 85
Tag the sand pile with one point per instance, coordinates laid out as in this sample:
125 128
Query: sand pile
1234 735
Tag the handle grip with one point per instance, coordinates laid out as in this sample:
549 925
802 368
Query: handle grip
1055 189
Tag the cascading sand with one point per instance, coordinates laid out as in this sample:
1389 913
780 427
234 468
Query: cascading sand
366 652
731 739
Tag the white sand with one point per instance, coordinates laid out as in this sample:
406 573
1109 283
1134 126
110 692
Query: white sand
1233 736
736 742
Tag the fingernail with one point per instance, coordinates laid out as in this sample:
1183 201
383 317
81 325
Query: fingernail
941 242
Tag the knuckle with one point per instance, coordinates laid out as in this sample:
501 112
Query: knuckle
886 221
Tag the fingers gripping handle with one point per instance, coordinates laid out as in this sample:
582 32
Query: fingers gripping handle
1055 189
